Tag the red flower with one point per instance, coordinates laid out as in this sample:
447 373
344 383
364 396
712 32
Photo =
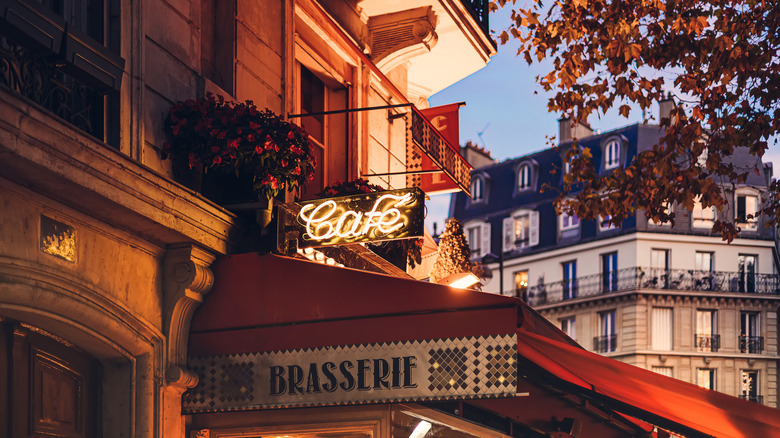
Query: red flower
250 138
253 126
365 189
270 181
290 135
217 159
284 162
258 149
296 171
233 144
310 176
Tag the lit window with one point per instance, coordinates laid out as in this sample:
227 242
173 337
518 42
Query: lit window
705 378
328 136
749 388
611 154
747 212
703 217
707 338
524 177
477 189
521 285
521 230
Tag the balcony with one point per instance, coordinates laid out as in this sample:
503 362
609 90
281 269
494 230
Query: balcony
751 344
638 278
754 398
605 344
707 342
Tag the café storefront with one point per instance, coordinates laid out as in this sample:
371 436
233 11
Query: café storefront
293 348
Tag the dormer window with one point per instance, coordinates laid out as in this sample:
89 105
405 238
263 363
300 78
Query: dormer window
612 154
703 217
569 222
524 177
746 214
477 189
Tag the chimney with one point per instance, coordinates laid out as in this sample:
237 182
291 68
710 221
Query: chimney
567 132
665 107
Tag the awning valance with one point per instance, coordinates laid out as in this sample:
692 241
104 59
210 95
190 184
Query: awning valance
299 318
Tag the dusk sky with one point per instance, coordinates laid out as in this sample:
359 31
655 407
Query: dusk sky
506 105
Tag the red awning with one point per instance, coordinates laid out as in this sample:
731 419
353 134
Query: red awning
666 402
268 303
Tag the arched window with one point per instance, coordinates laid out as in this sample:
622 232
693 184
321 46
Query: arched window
612 154
524 177
477 189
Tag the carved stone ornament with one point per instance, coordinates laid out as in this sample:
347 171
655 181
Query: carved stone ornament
400 36
187 280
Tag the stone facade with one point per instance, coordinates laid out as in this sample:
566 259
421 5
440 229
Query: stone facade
103 252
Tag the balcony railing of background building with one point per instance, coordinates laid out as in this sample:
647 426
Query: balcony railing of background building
707 342
479 10
751 344
754 398
636 278
605 344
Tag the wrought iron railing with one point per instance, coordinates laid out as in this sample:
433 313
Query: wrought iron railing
43 82
707 342
637 278
479 10
751 344
754 398
605 344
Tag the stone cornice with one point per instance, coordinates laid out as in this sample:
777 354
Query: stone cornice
47 155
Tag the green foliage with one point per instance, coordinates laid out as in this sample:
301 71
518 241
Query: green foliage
721 60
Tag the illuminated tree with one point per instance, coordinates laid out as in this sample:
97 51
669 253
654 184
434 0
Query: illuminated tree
720 59
454 253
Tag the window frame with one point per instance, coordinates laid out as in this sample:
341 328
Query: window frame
700 219
477 182
748 224
521 291
712 378
524 177
569 326
609 271
612 153
569 279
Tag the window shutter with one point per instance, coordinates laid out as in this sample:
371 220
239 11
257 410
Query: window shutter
485 247
509 234
533 229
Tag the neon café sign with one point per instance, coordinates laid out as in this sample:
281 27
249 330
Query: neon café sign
370 217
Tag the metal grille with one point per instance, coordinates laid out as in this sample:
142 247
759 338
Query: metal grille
638 278
605 344
427 138
751 344
707 342
42 82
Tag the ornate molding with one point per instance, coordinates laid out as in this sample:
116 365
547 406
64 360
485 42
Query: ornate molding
400 36
187 279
